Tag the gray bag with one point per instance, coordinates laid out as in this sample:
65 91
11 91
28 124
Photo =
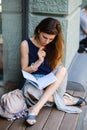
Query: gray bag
12 103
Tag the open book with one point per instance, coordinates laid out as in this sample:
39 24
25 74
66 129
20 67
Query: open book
42 82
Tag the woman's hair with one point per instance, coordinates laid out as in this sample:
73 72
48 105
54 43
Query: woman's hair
54 50
85 7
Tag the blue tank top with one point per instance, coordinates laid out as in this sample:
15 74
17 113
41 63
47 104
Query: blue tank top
44 67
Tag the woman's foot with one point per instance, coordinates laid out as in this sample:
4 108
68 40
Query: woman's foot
73 100
81 102
31 117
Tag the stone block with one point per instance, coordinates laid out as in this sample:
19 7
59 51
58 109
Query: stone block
0 24
84 3
12 36
11 6
72 36
70 28
57 7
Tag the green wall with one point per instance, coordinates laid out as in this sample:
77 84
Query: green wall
12 36
67 11
0 24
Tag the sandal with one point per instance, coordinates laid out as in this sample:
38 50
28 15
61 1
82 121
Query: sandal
80 101
31 119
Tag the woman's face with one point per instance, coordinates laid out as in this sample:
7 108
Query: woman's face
45 38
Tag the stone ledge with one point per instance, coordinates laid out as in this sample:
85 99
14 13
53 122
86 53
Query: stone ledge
58 7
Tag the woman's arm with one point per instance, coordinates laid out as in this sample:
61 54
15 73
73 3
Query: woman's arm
24 52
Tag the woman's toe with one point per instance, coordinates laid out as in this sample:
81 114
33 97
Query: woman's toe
31 119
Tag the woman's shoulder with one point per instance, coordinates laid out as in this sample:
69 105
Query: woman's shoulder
24 43
24 46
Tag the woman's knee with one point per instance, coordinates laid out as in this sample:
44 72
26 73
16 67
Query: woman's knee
63 71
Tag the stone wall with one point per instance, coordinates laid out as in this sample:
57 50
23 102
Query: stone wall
0 24
67 11
12 35
84 2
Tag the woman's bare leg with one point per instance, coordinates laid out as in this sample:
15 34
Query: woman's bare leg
50 90
47 96
69 100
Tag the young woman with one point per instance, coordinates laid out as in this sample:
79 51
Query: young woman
41 55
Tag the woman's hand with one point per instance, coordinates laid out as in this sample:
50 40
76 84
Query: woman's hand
41 54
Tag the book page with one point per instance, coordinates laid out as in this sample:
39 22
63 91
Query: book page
29 76
46 80
42 82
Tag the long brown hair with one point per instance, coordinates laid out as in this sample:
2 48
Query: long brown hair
85 7
54 50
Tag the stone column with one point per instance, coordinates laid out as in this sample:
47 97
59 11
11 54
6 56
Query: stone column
68 12
84 2
11 30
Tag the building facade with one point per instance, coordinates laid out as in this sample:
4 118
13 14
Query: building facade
67 11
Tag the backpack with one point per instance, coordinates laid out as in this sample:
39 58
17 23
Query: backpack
13 105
